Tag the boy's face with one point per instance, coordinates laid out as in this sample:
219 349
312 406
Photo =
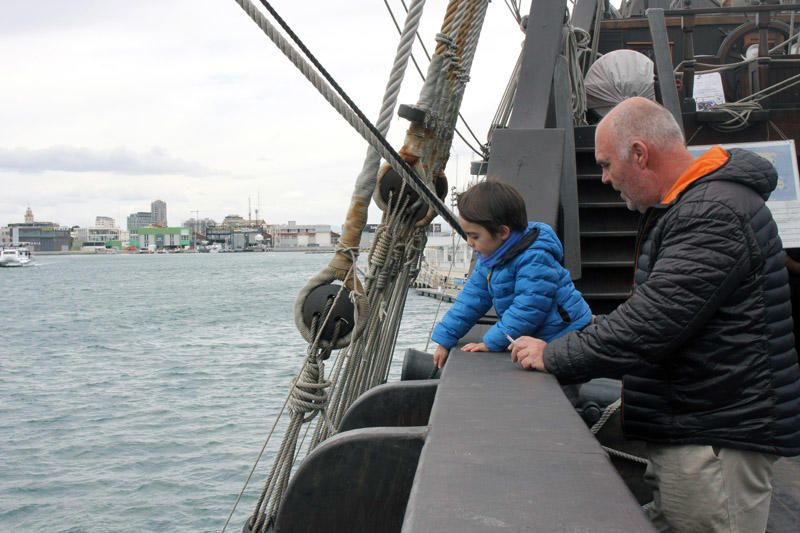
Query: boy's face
479 238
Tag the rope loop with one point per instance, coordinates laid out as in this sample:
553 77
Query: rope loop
309 391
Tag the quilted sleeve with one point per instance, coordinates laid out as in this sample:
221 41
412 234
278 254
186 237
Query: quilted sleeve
472 303
702 258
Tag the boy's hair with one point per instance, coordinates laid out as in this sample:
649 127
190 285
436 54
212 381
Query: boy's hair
492 204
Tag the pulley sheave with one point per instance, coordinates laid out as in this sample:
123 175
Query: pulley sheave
315 309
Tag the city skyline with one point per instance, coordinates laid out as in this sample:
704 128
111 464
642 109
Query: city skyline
111 105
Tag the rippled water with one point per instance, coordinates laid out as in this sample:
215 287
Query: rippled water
137 390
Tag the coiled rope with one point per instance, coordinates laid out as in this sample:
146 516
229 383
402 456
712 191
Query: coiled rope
607 413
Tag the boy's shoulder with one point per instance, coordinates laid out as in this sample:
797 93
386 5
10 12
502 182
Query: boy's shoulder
541 240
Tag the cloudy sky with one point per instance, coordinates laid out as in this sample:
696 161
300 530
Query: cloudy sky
106 105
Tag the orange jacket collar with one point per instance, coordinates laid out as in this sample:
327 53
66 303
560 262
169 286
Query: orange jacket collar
707 163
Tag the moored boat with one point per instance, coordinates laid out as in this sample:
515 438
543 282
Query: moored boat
15 256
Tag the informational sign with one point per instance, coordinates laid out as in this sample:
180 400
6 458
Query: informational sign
785 199
707 91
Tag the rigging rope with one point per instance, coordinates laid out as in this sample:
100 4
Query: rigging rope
342 103
399 242
607 413
575 49
478 151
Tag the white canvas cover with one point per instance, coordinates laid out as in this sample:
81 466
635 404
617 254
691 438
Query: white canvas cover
616 76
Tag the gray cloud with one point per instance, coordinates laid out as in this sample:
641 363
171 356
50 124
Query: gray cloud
116 160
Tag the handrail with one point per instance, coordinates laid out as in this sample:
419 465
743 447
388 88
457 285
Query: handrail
727 10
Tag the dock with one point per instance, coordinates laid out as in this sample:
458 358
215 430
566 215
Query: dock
446 295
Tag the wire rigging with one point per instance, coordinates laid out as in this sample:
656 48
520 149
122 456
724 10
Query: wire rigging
369 131
480 152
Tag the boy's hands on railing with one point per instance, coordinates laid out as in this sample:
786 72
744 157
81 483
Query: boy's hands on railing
475 347
440 356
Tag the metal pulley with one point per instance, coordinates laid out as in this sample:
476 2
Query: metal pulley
316 307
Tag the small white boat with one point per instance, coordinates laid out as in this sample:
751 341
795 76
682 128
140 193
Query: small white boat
14 256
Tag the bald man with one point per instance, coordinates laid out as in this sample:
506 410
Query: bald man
704 344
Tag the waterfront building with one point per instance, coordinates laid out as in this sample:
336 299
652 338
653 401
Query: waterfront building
155 238
99 237
159 211
446 251
138 220
199 226
238 239
40 236
368 236
292 235
233 221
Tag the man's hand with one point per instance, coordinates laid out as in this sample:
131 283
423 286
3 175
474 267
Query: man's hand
475 347
529 353
440 356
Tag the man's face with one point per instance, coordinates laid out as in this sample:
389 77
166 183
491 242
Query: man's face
624 175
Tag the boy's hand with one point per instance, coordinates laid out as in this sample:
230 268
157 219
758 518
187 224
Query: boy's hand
440 356
475 347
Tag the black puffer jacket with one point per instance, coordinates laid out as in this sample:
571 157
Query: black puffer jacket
704 345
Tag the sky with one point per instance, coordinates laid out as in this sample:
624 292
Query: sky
107 105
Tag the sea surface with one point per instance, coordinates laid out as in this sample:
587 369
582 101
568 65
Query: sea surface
137 390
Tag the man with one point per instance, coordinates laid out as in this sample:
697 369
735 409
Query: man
704 344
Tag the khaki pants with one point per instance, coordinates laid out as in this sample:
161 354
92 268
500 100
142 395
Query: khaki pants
701 488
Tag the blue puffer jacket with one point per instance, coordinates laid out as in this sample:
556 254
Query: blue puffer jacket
530 290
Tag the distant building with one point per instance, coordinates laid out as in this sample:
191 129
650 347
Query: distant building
368 235
157 216
199 227
233 221
437 229
41 236
292 235
100 237
138 220
445 251
5 237
155 238
104 222
159 211
238 239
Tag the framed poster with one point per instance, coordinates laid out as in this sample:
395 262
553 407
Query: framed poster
785 199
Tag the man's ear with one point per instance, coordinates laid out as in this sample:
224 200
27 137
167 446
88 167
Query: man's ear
639 154
503 232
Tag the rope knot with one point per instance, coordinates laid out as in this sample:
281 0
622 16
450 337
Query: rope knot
309 393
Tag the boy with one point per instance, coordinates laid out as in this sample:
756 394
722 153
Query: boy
518 271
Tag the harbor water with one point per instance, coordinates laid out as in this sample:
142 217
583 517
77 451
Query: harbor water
137 390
